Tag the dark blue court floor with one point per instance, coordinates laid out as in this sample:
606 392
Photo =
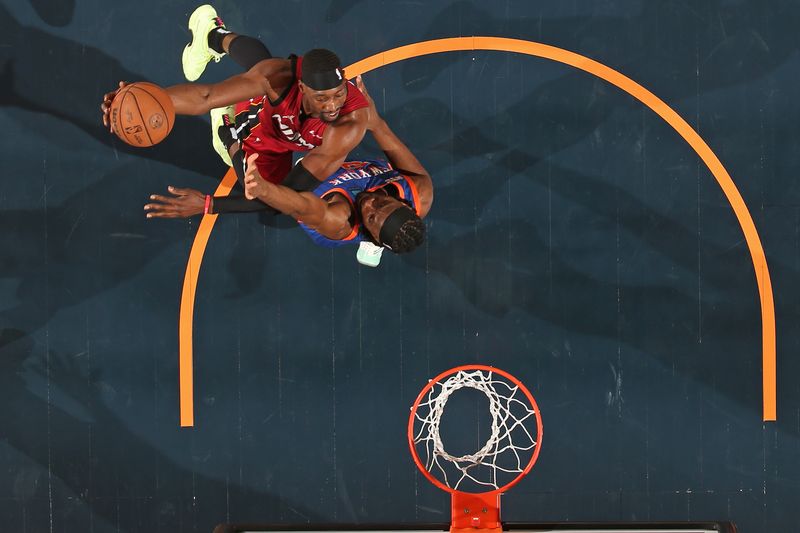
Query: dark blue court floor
576 241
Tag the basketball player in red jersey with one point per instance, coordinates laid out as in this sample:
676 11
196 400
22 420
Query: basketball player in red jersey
376 202
282 105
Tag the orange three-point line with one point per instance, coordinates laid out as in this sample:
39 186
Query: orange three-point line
658 106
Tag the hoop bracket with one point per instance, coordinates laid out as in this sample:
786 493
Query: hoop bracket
471 511
516 429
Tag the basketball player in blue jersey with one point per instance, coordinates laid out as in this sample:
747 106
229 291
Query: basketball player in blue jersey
375 201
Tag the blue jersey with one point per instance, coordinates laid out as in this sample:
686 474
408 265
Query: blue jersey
353 178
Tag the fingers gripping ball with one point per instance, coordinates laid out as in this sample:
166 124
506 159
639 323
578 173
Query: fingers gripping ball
142 114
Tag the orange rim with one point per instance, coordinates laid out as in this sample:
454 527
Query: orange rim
485 368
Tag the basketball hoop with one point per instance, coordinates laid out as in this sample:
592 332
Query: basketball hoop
476 480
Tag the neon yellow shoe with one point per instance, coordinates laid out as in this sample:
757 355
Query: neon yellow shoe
198 54
218 120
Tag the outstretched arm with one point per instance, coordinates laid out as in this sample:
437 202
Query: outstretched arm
200 98
302 206
329 218
266 77
185 203
398 154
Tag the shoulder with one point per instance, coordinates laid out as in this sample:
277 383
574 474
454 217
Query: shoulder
345 134
352 117
352 120
422 190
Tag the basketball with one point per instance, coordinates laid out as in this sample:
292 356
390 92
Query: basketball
142 114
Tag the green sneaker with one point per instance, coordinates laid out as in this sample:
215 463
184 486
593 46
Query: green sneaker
197 54
222 116
369 254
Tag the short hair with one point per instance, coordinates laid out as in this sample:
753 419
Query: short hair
408 236
321 66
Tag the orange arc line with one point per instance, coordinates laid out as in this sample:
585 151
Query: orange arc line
186 318
768 335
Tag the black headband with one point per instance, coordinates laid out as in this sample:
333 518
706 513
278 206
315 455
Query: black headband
393 223
322 81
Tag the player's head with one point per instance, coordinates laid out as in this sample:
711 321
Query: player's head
323 84
390 222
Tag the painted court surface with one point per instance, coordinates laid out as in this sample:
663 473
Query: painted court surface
615 223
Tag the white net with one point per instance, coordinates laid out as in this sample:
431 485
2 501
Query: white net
508 449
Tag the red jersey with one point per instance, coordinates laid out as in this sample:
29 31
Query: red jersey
275 129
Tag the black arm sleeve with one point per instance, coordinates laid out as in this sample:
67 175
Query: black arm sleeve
239 204
299 179
248 51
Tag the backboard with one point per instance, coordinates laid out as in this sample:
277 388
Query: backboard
573 527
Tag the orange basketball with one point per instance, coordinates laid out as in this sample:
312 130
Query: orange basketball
142 114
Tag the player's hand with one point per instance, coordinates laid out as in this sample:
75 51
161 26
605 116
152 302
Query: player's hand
182 204
255 187
373 117
105 107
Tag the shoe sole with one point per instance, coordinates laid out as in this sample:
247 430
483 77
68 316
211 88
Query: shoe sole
195 20
367 259
215 141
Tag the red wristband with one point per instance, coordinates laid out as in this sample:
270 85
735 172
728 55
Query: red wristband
208 204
